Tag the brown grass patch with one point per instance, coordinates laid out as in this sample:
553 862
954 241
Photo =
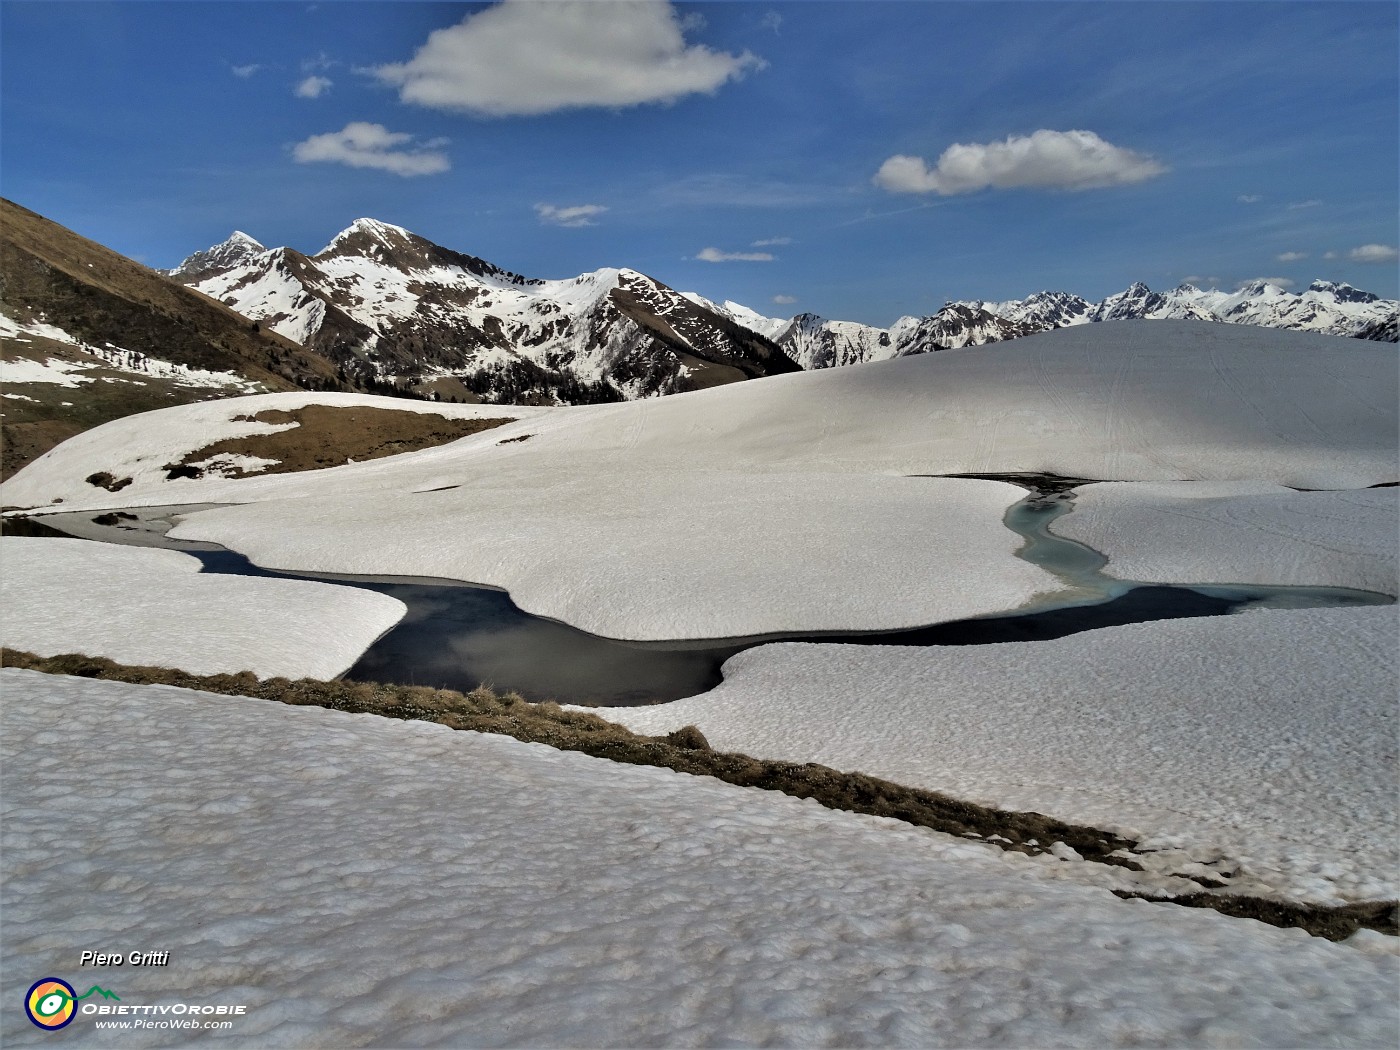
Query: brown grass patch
687 751
326 436
22 443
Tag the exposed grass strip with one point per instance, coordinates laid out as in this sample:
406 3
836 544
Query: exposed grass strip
687 751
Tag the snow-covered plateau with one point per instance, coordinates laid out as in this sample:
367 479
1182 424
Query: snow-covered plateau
357 881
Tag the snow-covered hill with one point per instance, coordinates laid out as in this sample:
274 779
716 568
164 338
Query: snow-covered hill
389 306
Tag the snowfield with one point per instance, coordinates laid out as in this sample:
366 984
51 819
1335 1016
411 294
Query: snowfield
765 506
1262 743
502 894
1202 532
139 605
669 556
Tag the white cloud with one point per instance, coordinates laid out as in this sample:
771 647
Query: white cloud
1311 203
313 87
1249 198
319 64
247 71
785 300
575 215
1290 256
1281 282
1329 255
1373 253
771 20
771 242
1201 282
1067 160
525 57
715 255
362 145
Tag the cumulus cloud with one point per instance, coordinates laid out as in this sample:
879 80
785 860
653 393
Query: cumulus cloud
1290 256
244 72
771 20
1373 253
522 57
715 255
770 242
1329 255
575 215
362 145
313 87
785 300
1249 198
1065 160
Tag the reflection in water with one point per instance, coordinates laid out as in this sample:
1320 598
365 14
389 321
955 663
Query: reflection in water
459 636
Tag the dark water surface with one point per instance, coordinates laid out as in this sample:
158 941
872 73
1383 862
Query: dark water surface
459 635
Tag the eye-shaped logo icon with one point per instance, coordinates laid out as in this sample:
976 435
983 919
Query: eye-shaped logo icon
50 1003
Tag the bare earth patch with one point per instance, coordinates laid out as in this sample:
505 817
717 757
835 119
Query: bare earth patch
327 437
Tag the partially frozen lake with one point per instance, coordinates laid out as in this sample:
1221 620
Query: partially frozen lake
459 635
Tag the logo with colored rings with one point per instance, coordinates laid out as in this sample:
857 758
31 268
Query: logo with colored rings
50 1003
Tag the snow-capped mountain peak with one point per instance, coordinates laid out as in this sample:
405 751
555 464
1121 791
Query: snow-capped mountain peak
1343 292
235 251
371 230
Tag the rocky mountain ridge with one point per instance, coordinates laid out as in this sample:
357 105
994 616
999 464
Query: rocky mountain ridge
390 307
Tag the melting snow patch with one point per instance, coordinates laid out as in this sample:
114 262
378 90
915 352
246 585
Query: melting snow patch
51 370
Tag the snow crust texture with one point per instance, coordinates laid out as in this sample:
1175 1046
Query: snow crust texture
1193 532
1260 746
139 605
502 894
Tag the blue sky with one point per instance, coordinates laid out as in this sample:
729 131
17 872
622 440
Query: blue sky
858 160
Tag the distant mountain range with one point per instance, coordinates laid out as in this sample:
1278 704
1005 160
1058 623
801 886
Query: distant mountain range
1326 307
89 335
388 306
